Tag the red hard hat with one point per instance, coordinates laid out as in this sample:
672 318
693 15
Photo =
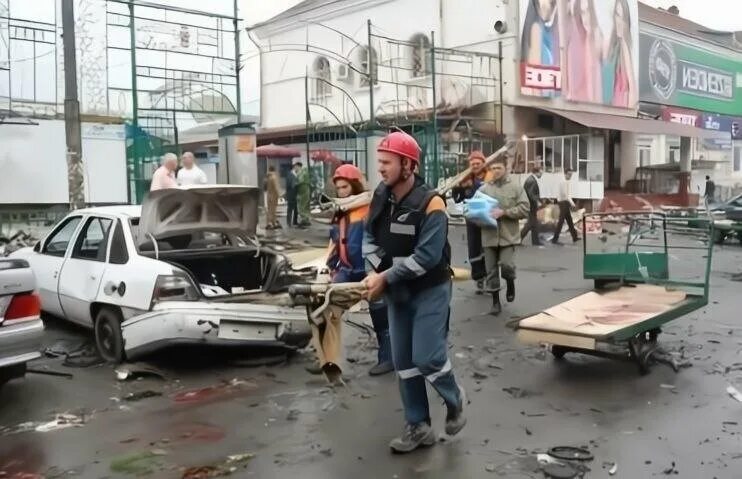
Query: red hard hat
347 172
402 144
476 155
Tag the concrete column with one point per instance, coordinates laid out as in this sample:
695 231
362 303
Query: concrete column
238 163
685 170
685 154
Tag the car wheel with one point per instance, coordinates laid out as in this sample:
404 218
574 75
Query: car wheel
108 337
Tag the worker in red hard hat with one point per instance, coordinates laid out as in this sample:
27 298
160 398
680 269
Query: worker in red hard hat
464 191
345 259
408 257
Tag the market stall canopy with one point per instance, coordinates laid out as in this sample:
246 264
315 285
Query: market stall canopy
637 125
277 151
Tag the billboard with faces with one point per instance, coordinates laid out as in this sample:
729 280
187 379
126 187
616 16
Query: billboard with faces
584 51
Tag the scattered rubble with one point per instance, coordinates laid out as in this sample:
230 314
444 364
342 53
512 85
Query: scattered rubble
139 395
15 241
734 393
127 372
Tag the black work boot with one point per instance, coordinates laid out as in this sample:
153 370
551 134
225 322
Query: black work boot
414 436
496 307
510 293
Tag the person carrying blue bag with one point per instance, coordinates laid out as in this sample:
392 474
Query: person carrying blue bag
463 192
500 242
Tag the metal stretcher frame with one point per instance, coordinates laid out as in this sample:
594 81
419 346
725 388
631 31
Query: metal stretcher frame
637 341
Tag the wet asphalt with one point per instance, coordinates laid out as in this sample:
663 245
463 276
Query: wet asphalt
277 421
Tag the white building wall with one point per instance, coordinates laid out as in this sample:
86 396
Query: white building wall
283 90
34 164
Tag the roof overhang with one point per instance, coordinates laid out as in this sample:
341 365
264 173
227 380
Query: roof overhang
637 125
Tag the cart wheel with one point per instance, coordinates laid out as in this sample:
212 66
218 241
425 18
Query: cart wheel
558 352
641 349
719 237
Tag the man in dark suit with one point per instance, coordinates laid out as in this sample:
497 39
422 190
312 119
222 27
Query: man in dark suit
292 181
534 198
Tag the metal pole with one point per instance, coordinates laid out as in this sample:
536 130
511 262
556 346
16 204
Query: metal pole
499 62
133 42
75 177
237 62
372 113
306 127
175 135
435 115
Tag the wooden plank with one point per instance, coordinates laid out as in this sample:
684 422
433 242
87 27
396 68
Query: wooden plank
532 336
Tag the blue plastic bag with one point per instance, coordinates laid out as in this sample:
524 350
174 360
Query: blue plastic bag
478 210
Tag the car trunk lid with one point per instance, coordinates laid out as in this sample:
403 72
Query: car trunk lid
228 209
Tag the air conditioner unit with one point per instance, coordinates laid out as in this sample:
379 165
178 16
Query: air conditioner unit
344 72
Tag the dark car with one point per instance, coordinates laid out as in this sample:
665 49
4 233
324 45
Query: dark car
732 209
727 219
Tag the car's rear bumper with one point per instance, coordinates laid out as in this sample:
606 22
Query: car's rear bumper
215 325
20 343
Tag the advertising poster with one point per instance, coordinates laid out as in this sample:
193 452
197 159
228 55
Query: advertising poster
581 50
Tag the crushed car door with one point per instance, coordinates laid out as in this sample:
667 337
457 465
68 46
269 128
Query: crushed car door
82 273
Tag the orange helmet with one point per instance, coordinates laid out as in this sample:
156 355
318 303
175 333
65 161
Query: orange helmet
402 144
347 172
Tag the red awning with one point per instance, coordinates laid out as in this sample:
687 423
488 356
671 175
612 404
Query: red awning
325 156
277 151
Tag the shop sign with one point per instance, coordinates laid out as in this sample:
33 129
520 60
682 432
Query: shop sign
678 74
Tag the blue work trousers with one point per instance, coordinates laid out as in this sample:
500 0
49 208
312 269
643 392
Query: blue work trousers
419 333
380 320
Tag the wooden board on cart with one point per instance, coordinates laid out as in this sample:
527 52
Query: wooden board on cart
598 314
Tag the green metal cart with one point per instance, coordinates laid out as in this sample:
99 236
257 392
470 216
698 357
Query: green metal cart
648 269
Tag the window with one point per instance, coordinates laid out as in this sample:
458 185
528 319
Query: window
56 244
420 56
119 253
322 77
369 58
93 239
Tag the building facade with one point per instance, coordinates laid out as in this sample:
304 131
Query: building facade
563 80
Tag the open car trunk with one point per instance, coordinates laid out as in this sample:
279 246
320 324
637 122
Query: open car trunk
228 271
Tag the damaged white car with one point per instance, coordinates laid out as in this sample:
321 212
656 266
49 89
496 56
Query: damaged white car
184 268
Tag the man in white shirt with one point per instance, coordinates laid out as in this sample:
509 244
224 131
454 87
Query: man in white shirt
565 209
190 174
164 176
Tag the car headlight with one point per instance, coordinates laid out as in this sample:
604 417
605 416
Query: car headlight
174 287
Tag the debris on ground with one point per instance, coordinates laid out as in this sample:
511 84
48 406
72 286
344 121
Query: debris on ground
139 395
612 468
127 372
61 421
565 462
226 390
518 393
47 372
15 241
139 463
225 468
734 393
76 354
671 470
